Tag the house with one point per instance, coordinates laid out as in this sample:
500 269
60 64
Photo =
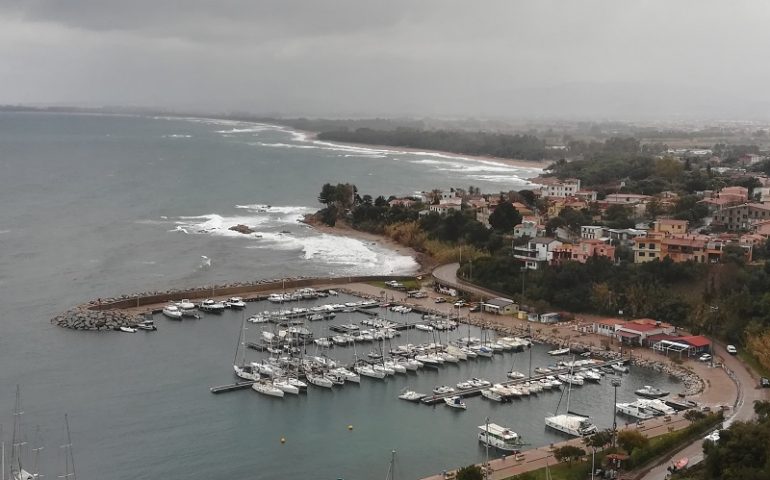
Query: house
591 232
607 326
587 195
445 206
500 306
537 252
625 236
698 343
524 210
553 187
635 332
670 226
742 217
551 317
586 249
529 227
402 202
626 199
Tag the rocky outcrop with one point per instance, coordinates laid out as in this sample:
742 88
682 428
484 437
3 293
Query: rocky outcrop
244 229
85 319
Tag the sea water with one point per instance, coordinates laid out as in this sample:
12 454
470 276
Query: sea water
97 206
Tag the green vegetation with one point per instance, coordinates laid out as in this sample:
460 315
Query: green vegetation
471 472
743 451
527 147
568 453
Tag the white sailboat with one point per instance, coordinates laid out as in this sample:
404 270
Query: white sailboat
267 388
570 423
240 368
18 443
69 459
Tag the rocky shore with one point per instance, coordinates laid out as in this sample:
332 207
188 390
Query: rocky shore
82 318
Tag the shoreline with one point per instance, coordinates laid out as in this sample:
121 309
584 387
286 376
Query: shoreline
341 228
513 162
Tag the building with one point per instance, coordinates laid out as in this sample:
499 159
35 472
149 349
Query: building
529 227
551 317
586 249
636 332
741 217
446 206
607 326
626 199
500 306
592 232
553 187
538 252
670 226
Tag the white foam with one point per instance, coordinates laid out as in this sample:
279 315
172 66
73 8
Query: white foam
176 135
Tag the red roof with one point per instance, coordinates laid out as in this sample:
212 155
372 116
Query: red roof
640 327
610 321
696 341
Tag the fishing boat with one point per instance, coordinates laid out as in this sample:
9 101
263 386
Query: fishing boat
651 392
411 395
173 312
267 388
235 302
455 402
500 437
210 306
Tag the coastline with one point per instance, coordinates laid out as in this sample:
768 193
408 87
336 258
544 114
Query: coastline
342 228
520 163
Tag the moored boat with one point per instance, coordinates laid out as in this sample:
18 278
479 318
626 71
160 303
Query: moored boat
651 392
455 402
211 306
267 388
411 395
173 312
235 302
502 438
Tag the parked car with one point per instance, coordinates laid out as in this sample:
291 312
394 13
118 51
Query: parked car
475 308
460 303
440 300
706 357
764 382
732 350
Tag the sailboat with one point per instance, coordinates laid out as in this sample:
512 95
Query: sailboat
17 444
69 459
241 370
570 423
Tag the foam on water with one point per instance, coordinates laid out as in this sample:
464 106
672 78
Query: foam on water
176 135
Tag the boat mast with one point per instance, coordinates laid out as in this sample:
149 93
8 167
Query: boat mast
17 441
36 452
392 468
69 459
486 446
2 449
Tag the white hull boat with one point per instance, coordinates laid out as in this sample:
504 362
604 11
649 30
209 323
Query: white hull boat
285 386
367 371
492 395
500 437
319 380
571 424
235 302
173 312
634 410
267 389
210 306
411 395
455 402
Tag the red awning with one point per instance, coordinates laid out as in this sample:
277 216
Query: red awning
697 341
627 335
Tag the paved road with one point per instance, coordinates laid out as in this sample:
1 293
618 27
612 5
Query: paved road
744 410
447 274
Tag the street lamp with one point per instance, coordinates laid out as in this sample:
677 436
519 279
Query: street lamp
523 271
615 384
486 445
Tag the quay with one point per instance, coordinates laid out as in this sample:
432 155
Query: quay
471 392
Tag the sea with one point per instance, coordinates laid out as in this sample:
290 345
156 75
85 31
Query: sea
96 206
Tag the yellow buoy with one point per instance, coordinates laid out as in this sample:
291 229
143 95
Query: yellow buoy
350 427
283 439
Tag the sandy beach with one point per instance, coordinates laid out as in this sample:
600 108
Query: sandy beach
513 162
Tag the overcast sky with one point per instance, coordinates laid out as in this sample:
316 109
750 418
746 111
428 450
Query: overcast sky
611 59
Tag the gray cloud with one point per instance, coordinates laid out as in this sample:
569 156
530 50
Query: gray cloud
496 58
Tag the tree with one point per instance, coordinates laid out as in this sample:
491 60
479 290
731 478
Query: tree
568 453
599 439
505 217
629 440
471 472
693 416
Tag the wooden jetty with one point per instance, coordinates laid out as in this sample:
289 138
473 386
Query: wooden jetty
232 387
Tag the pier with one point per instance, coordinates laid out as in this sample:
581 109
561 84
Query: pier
472 392
232 387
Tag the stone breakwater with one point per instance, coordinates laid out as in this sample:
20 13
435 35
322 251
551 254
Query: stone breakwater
693 384
81 318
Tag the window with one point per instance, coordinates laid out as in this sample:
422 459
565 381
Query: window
641 254
652 255
641 245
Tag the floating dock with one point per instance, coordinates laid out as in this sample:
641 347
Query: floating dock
232 387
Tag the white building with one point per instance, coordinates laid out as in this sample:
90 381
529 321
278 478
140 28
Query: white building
538 252
564 188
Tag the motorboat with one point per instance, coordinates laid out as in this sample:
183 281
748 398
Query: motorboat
127 329
464 385
319 380
651 392
276 298
634 410
619 368
571 379
411 395
534 387
455 402
480 382
258 319
267 388
559 351
323 342
443 389
374 355
590 375
187 308
571 424
146 325
492 395
545 384
235 302
424 328
173 312
658 407
483 351
286 386
543 370
211 306
515 375
502 438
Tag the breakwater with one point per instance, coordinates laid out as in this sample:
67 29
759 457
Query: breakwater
126 310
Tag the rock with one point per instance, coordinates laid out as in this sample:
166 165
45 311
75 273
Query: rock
244 229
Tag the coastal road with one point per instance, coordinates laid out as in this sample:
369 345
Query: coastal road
748 393
447 275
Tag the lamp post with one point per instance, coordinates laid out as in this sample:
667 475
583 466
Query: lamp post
523 271
486 445
615 385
